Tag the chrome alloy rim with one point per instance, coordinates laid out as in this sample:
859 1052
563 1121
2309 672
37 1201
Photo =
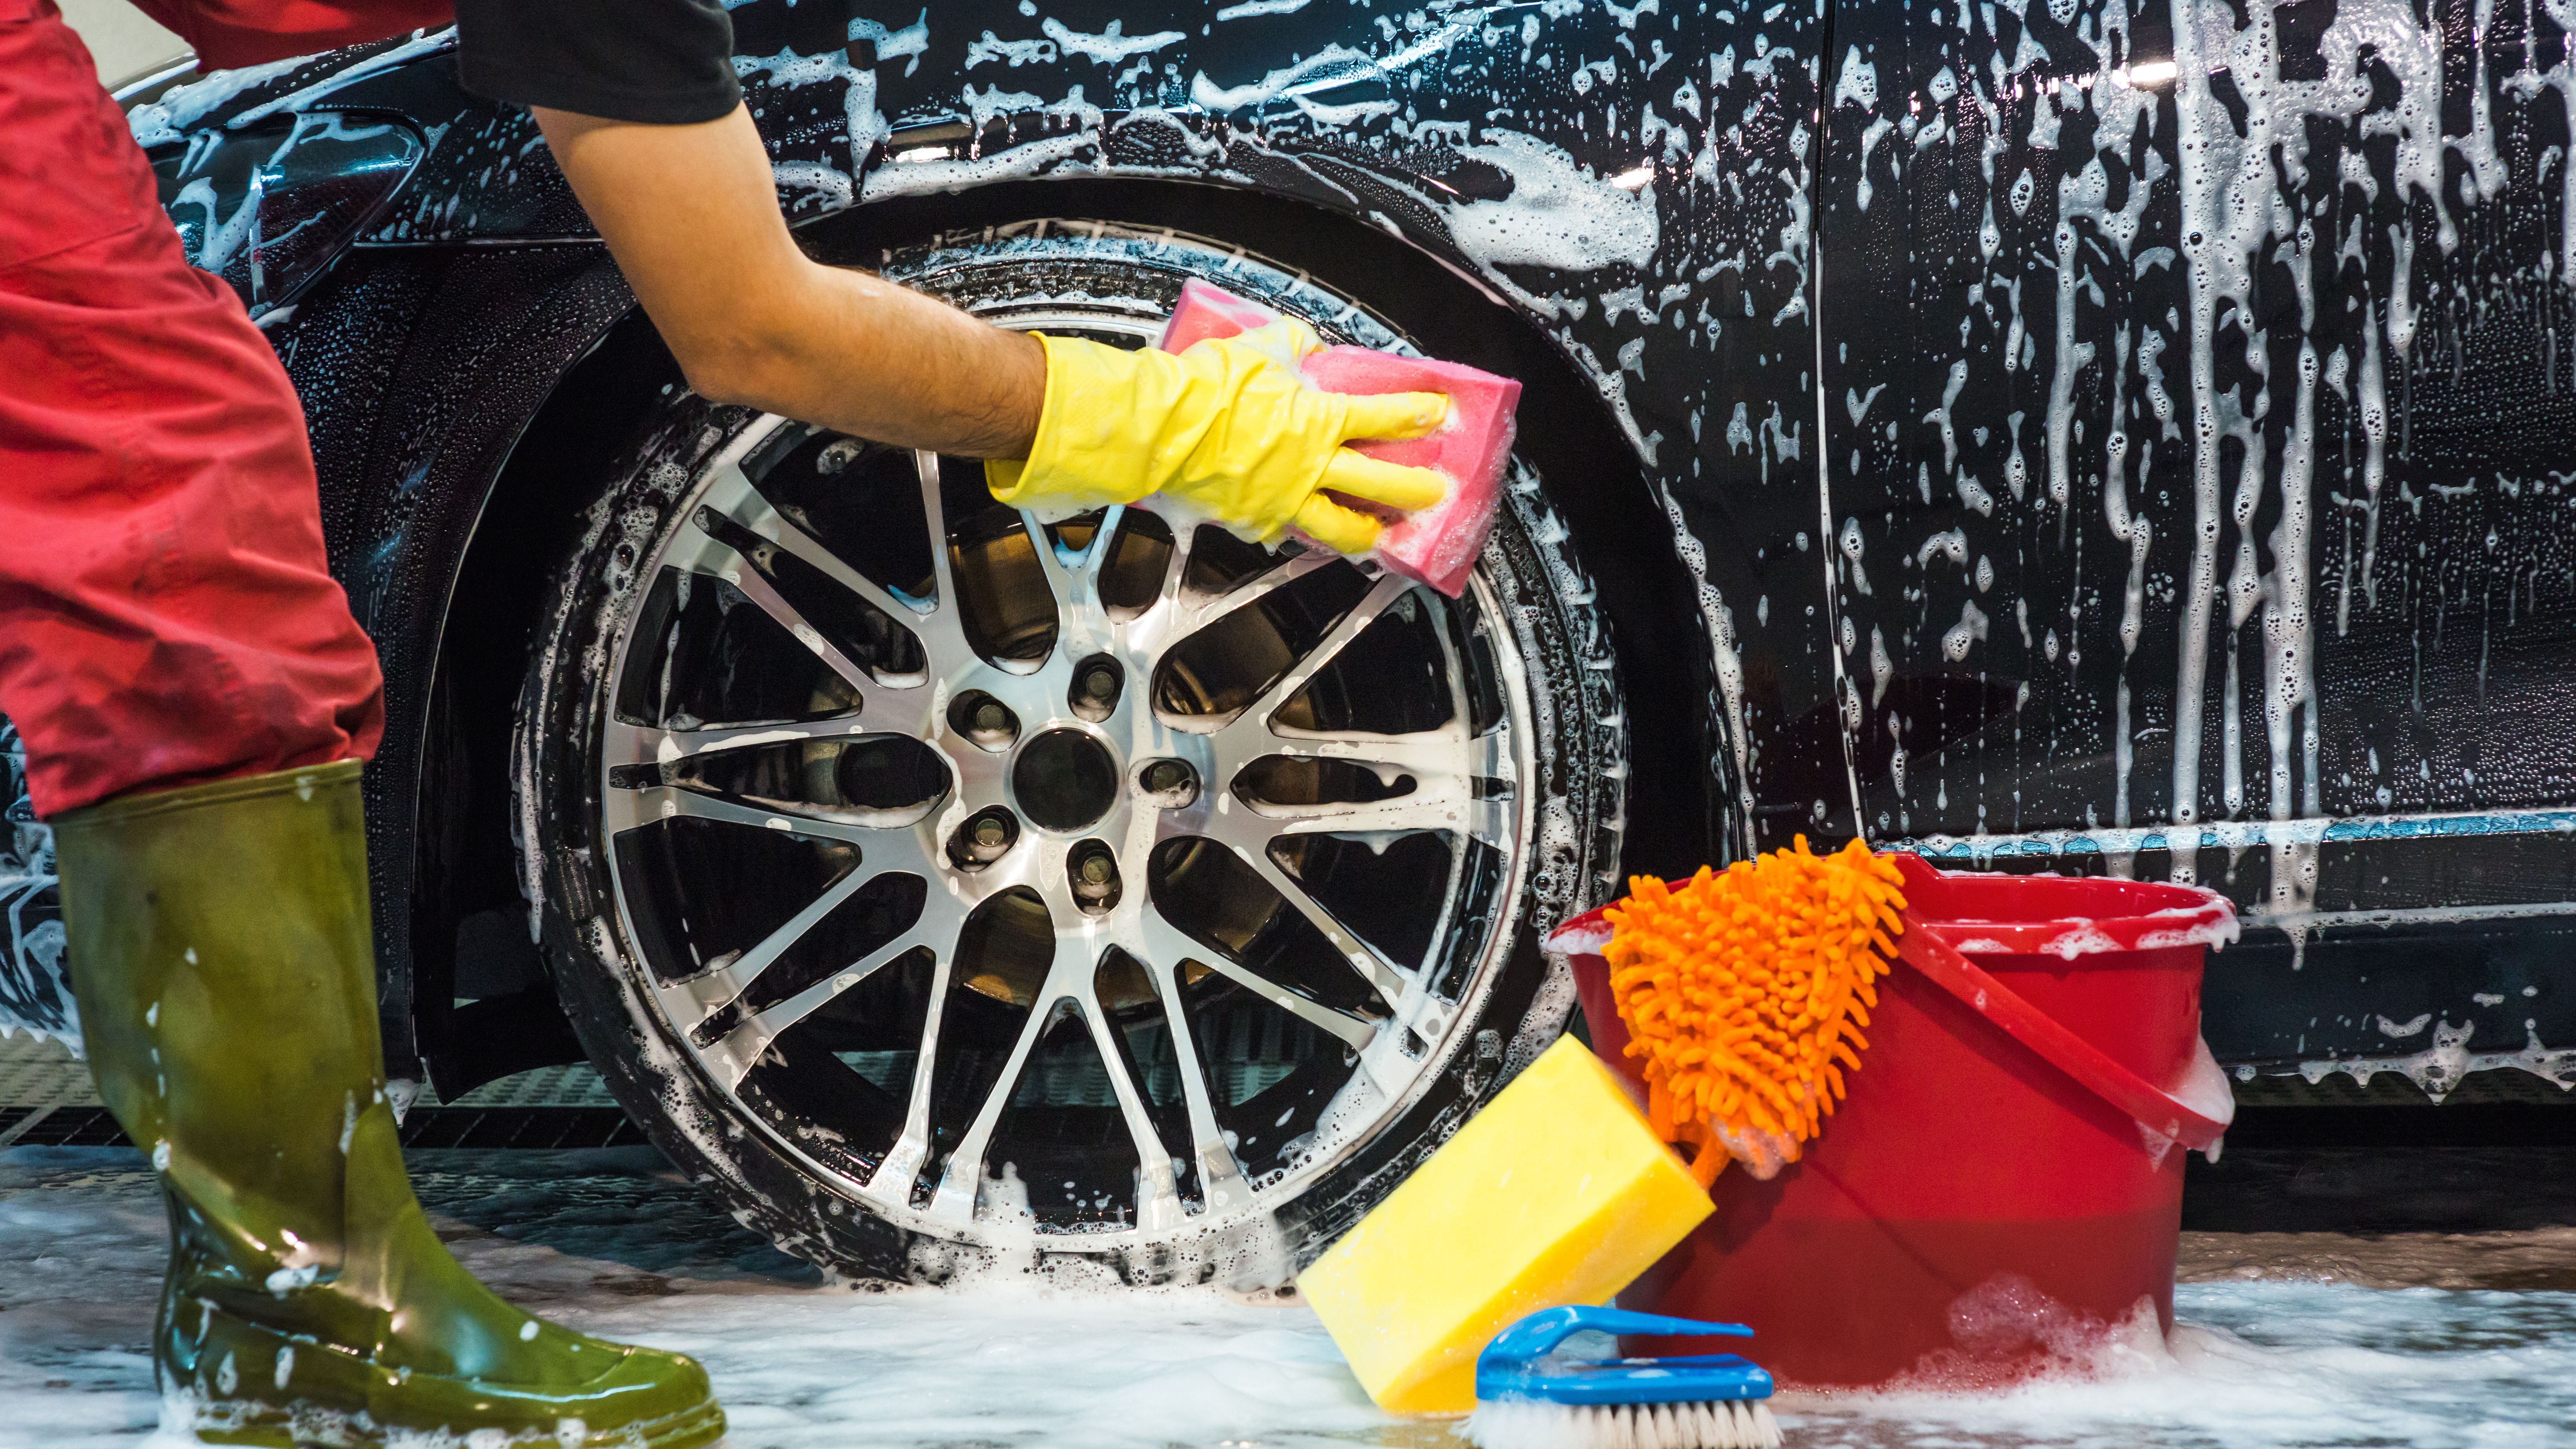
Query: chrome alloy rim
1069 782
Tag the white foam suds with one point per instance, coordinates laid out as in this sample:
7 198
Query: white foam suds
1719 621
156 122
2200 425
1334 65
908 44
423 42
2230 216
956 174
1109 47
2439 1068
2251 1366
1560 214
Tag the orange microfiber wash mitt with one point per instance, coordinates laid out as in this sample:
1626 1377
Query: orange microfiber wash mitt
1744 991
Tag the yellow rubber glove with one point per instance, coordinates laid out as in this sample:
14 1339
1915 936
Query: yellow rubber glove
1227 427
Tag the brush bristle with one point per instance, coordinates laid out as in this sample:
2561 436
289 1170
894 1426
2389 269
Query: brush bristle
1533 1424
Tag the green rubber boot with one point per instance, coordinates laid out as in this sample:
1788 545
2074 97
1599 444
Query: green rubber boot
220 951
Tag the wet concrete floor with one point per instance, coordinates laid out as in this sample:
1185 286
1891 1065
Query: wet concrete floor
2349 1296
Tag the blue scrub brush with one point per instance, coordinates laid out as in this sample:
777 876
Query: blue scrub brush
1526 1400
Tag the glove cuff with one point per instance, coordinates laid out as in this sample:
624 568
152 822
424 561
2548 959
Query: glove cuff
1068 469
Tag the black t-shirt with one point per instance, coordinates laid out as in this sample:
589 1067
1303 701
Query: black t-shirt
667 62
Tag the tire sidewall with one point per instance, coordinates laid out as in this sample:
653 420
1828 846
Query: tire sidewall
1576 800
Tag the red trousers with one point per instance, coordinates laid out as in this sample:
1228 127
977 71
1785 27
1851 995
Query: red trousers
166 613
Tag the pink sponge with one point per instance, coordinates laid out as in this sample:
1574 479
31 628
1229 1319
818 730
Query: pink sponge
1437 545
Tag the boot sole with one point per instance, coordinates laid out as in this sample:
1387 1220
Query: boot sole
266 1426
326 1406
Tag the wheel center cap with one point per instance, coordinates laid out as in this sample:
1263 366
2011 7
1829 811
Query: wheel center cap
1065 780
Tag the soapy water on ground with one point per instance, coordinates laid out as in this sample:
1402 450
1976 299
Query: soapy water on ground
2290 1338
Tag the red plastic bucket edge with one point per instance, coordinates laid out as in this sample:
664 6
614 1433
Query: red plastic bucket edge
2199 917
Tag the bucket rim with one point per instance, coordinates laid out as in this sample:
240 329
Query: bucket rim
2194 916
2198 917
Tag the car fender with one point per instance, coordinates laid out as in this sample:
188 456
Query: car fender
421 373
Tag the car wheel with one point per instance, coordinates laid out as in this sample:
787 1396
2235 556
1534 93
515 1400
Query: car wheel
946 886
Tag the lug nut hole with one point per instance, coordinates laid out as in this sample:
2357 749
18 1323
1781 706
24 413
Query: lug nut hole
983 719
1096 684
1093 870
985 837
1171 784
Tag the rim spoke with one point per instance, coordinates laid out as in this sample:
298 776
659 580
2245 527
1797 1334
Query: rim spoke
1064 581
733 1058
964 1175
665 802
709 992
1185 538
1443 797
1082 621
1381 596
897 704
1197 611
1390 979
1171 943
1220 1177
1423 812
633 744
902 1164
946 610
1159 1205
755 514
793 620
1430 755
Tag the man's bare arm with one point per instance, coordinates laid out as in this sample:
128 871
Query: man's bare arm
691 215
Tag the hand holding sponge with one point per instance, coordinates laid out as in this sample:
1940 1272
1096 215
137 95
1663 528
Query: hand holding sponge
1437 544
1249 419
1227 427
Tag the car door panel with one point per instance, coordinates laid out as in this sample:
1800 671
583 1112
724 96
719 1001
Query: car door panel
2199 437
2215 418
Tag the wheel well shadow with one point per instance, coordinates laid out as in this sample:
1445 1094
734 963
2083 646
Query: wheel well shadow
469 916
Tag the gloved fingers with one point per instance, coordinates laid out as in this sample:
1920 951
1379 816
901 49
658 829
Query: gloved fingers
1343 530
1379 481
1395 415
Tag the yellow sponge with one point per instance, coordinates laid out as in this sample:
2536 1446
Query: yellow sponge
1557 1192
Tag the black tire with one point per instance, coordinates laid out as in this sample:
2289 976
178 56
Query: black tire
797 1178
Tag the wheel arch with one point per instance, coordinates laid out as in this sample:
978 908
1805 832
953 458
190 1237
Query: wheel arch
423 372
469 933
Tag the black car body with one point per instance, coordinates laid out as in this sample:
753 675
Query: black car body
2049 436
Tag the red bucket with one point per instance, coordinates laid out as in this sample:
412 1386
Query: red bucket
2002 1189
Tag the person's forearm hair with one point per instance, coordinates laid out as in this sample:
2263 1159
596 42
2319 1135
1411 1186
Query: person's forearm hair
691 214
